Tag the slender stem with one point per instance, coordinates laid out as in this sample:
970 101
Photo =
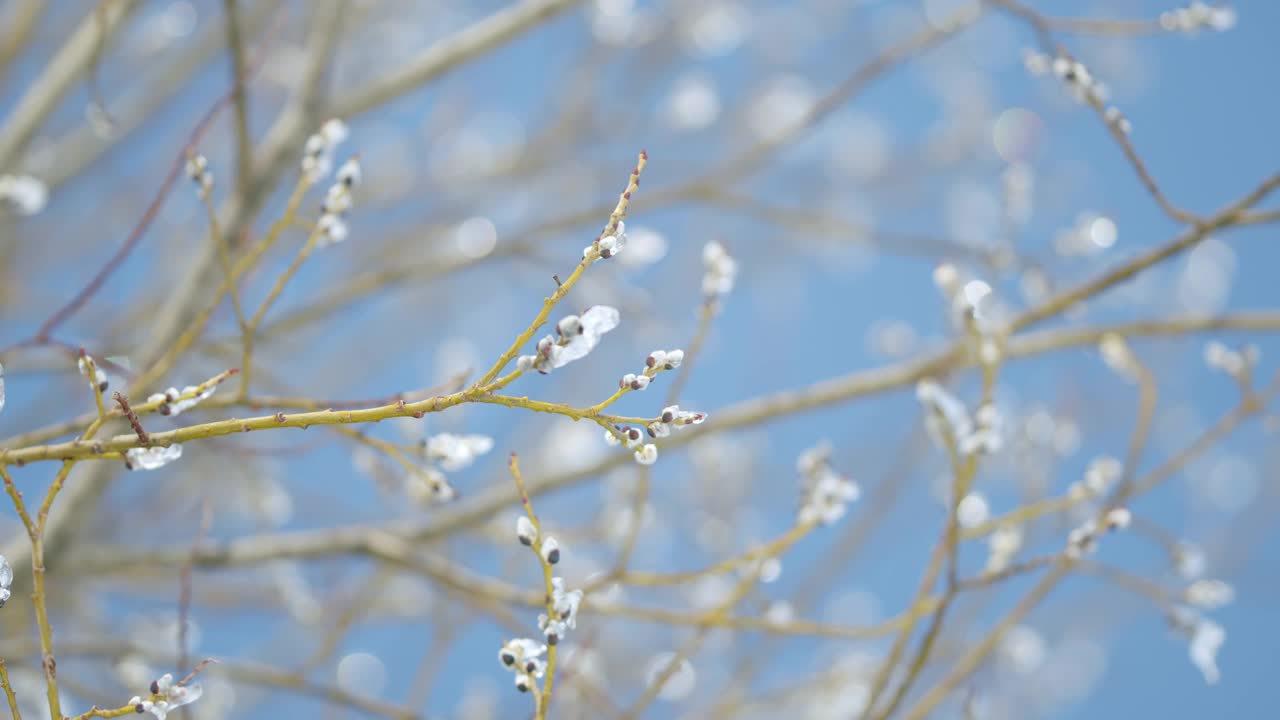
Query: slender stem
91 373
977 654
691 645
8 691
1026 345
1126 270
239 73
18 504
635 524
706 314
224 257
39 596
772 548
549 303
543 699
97 712
595 409
196 327
274 294
964 468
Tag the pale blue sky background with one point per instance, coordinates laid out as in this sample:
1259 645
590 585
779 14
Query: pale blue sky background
1204 117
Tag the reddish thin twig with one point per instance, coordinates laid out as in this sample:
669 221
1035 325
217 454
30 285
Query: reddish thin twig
135 236
196 670
185 589
132 417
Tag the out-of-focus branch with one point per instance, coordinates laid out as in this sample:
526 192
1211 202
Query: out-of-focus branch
240 99
978 653
70 64
468 44
96 282
80 148
481 506
239 671
1261 217
1044 27
22 20
873 511
889 59
1130 268
808 221
300 115
1081 26
168 325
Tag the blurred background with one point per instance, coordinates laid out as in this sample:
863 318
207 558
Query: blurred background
840 150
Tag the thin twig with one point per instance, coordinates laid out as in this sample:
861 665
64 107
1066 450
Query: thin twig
8 691
143 439
544 698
